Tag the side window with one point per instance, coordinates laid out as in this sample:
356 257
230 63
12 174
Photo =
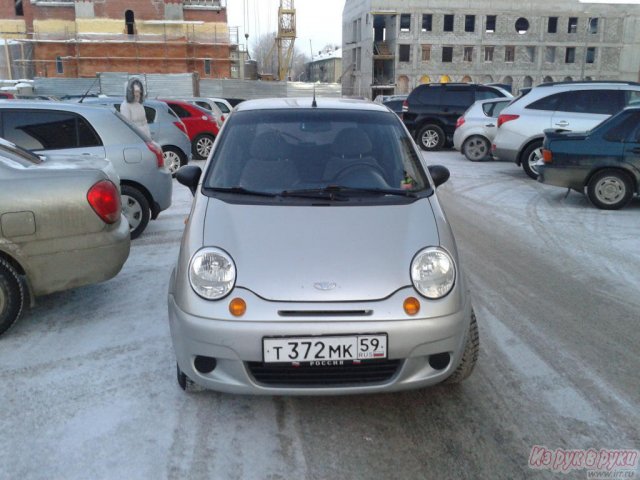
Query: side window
493 109
606 102
181 112
430 96
204 105
631 97
624 128
549 103
87 136
150 113
223 107
457 98
484 93
40 130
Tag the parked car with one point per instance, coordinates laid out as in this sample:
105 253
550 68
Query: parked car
165 126
38 97
431 110
571 106
61 226
476 128
605 161
209 105
202 127
234 101
317 259
6 96
78 129
395 103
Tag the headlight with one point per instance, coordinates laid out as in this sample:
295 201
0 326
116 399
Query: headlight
433 272
212 273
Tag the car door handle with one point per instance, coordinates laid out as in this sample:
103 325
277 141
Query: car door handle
562 124
490 125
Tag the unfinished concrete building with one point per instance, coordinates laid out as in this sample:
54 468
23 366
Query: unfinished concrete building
77 38
389 46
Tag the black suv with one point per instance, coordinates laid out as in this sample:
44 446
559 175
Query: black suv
431 110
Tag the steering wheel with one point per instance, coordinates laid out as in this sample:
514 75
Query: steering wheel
359 165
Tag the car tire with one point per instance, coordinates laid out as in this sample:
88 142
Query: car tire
202 145
185 383
610 189
430 138
530 156
469 355
11 296
476 148
135 208
174 158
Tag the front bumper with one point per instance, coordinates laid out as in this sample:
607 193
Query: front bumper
233 343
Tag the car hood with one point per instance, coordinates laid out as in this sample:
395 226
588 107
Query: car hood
321 253
81 162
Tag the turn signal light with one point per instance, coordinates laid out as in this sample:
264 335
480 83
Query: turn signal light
411 306
547 156
237 307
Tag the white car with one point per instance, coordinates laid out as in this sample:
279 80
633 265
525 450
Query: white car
566 106
476 129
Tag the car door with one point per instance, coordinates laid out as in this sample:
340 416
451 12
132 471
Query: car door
51 131
632 143
581 110
453 103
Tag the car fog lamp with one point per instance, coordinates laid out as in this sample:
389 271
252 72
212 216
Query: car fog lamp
212 273
237 307
411 306
433 272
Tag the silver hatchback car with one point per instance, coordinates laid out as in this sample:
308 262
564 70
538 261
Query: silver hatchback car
317 258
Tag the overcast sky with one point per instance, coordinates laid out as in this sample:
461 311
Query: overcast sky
317 20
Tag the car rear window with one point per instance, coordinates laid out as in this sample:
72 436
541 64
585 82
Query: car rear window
223 107
493 109
429 95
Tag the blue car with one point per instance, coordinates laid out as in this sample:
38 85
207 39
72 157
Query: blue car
605 160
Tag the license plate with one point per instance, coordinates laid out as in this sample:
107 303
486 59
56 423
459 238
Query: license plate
315 349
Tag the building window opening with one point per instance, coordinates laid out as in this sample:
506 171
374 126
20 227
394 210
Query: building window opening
522 25
207 66
19 9
509 53
404 53
591 55
448 23
467 55
447 54
469 23
572 26
130 22
488 54
550 55
427 22
593 26
426 53
491 24
570 55
59 65
531 54
552 26
405 22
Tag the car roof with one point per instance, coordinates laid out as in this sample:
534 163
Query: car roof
53 105
322 103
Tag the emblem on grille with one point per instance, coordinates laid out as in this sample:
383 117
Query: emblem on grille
325 285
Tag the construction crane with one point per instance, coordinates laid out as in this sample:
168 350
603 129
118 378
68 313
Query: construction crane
286 37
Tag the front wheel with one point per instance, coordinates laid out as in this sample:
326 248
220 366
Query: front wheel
531 156
135 208
475 148
469 355
430 138
610 189
11 296
202 145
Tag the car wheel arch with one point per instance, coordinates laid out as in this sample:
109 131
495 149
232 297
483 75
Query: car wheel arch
630 175
526 146
24 274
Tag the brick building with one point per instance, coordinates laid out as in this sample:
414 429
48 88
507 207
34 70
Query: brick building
78 38
392 46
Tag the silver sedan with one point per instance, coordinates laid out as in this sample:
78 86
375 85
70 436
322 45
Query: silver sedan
317 258
61 226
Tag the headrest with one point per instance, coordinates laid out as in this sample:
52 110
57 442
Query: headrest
351 142
268 146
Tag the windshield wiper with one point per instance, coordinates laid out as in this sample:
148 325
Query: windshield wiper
242 191
331 190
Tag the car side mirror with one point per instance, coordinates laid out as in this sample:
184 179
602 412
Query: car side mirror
439 174
189 176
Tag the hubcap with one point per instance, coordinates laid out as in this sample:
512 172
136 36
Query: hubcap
534 158
476 148
430 138
610 190
204 146
172 161
132 211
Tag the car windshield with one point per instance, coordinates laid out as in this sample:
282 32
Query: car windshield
313 152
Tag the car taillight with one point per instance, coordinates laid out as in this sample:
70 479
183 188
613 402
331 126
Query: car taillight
504 118
222 118
158 152
405 106
547 156
105 201
181 126
460 122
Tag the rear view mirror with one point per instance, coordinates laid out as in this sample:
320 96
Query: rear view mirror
189 176
439 174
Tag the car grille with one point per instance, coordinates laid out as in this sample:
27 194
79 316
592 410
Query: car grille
370 372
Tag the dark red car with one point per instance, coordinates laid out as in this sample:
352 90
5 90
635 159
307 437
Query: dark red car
202 127
6 95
